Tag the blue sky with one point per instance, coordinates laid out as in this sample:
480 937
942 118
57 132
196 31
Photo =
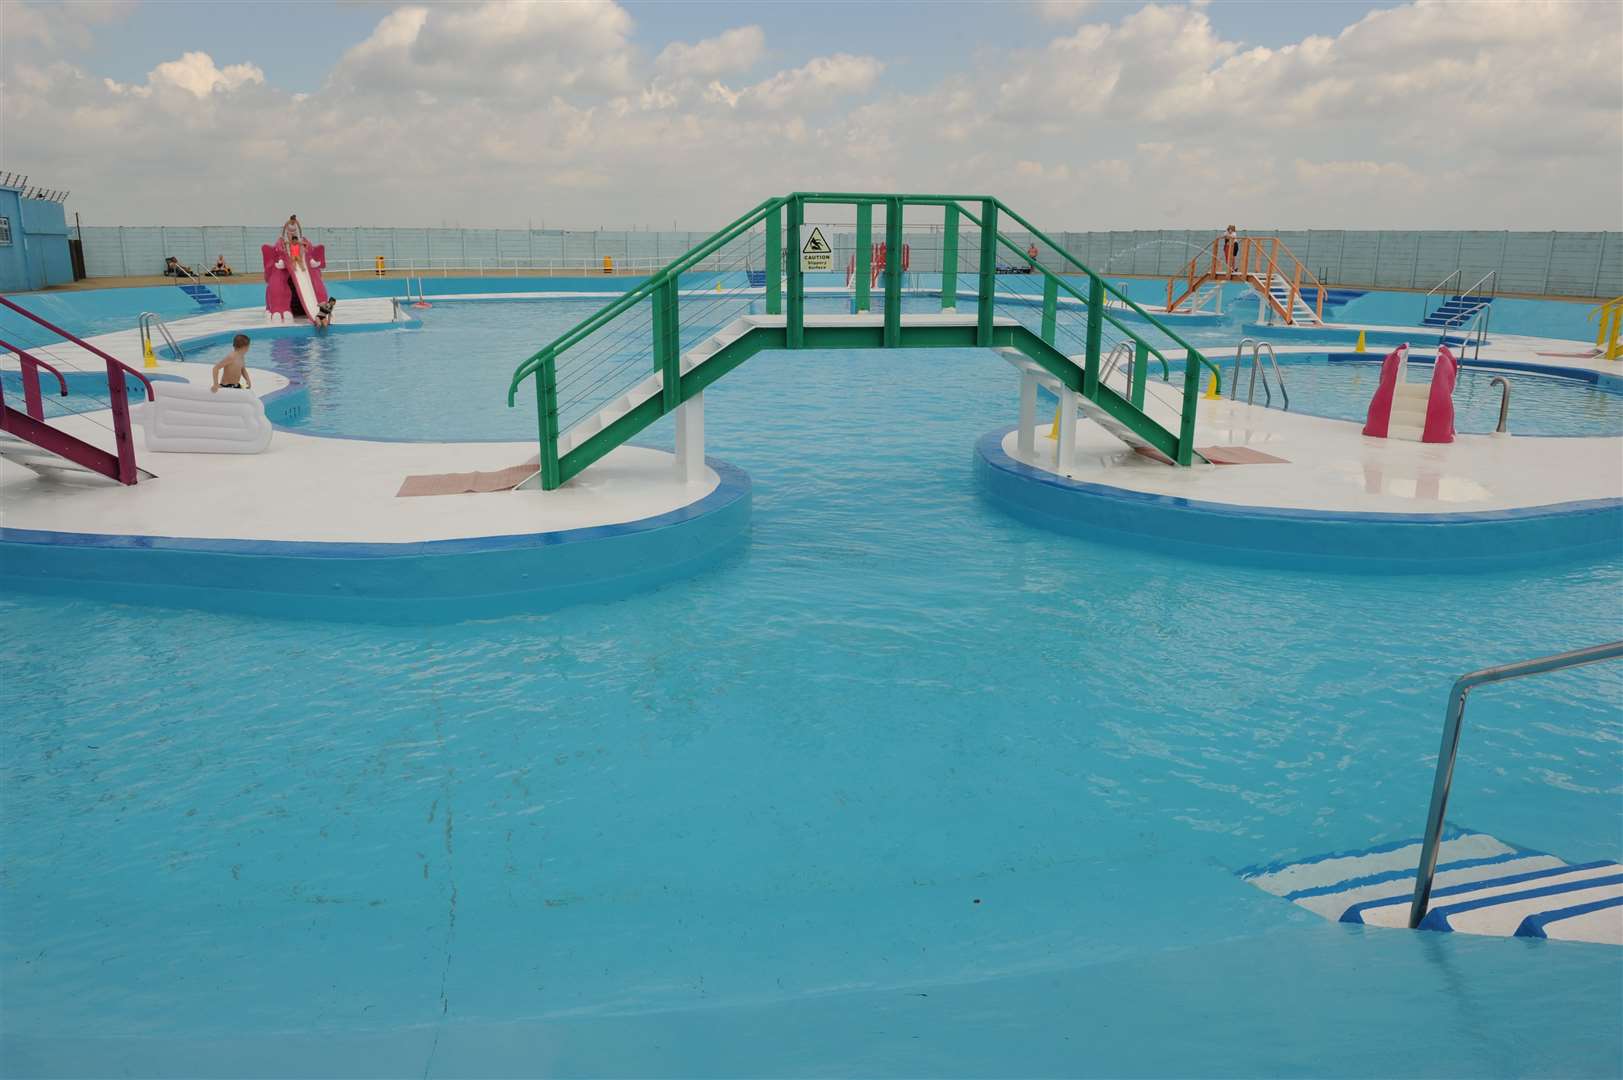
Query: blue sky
1491 114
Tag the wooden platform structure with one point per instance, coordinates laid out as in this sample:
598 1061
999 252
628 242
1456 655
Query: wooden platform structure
1262 262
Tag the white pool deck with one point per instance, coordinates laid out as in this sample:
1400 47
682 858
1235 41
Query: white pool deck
337 490
313 488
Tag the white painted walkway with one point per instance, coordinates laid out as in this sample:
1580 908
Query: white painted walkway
1333 466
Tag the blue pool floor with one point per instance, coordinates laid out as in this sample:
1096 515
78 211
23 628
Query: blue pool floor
740 825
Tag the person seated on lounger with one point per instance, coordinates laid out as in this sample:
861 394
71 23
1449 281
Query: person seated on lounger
232 372
220 268
324 313
173 267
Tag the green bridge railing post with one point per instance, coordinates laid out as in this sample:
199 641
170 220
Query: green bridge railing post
546 412
795 319
949 259
893 273
1096 326
1141 365
986 294
774 262
1050 307
1191 401
666 343
864 267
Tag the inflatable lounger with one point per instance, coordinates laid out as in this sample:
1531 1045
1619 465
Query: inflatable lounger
186 419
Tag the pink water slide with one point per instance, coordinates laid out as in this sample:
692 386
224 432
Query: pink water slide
294 286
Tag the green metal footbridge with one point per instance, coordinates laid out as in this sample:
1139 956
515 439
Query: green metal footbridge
661 344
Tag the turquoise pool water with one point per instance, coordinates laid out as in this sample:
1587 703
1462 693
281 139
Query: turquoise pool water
448 379
904 787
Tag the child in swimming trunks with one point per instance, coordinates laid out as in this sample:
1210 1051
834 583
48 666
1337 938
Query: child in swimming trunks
232 372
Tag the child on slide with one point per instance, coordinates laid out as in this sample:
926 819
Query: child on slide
232 372
293 238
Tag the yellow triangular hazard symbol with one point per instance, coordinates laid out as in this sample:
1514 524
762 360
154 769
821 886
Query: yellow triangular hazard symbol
815 244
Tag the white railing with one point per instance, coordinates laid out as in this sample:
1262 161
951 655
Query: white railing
351 268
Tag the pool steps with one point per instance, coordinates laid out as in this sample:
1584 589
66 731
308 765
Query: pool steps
1483 886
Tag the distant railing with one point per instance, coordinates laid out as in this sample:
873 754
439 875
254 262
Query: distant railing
1257 259
608 265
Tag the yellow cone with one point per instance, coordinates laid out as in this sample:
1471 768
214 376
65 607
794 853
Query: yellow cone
148 360
1360 346
1211 388
1053 432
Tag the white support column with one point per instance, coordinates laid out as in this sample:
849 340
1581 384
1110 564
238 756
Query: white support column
1025 437
690 440
1065 453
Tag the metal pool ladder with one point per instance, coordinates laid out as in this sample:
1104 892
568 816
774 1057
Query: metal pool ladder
1451 748
146 322
1256 365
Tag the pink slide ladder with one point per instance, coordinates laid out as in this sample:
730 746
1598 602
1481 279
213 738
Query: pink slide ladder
28 423
1418 411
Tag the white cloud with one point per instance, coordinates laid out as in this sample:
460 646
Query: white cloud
498 113
57 25
738 49
1061 10
817 83
196 74
495 50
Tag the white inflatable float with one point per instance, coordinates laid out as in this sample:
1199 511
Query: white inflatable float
186 419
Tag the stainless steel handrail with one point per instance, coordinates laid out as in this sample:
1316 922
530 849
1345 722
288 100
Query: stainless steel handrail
1256 362
1425 301
1279 377
1504 401
1234 376
1475 321
1451 747
1121 350
149 319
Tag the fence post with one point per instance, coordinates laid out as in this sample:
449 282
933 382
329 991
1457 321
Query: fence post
546 409
1141 368
986 294
1191 401
863 271
1050 306
949 259
1096 326
774 262
893 272
795 320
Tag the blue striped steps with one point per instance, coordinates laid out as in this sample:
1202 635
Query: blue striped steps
1456 310
1483 886
757 279
206 298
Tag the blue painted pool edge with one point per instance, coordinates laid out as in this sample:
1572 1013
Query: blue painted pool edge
421 581
1305 539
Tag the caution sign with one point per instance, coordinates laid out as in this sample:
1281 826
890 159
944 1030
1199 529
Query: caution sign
815 253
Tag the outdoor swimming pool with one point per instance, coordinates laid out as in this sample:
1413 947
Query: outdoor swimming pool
448 379
904 786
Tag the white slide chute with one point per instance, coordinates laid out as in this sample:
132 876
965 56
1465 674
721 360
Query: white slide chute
186 419
303 287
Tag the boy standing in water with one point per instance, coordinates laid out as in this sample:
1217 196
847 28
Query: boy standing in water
232 372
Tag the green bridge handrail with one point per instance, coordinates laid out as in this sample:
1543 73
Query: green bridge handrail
1118 294
786 295
641 292
1059 280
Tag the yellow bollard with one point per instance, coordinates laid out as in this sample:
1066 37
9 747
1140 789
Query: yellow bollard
1211 388
608 264
148 359
1360 346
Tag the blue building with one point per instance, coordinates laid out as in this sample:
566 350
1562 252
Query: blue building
33 240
